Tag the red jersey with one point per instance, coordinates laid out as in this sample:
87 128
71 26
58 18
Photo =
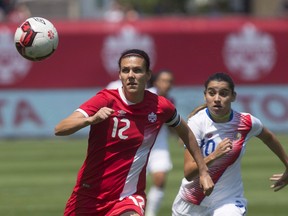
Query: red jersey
118 148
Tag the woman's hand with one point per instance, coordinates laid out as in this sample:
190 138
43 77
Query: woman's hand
281 180
222 148
101 115
206 184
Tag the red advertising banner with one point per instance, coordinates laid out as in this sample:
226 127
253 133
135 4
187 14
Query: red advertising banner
252 51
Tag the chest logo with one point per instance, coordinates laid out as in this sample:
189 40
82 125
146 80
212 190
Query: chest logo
237 136
209 135
152 117
121 113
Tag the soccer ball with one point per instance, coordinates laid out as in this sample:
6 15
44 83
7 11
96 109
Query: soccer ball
36 38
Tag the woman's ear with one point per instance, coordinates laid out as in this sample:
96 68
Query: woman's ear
150 74
234 96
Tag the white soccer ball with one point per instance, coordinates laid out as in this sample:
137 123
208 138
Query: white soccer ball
36 38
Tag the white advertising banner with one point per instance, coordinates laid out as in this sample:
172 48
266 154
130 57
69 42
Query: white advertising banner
28 113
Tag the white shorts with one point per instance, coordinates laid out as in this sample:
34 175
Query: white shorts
159 161
229 208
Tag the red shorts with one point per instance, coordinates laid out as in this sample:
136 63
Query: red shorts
82 205
132 203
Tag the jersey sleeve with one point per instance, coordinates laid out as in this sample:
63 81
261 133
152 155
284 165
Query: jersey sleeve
257 126
174 121
91 106
172 116
195 126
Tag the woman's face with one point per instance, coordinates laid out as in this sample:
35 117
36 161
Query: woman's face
164 83
218 98
134 77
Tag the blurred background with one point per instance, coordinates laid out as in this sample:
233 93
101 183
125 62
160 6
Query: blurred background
248 39
193 38
98 9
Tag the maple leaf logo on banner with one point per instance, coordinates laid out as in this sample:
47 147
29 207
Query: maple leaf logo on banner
250 53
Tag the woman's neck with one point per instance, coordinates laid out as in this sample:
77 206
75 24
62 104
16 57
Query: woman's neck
221 119
133 97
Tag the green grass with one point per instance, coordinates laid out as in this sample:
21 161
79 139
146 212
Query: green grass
37 176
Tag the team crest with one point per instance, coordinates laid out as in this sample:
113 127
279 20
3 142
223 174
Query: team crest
237 136
152 117
209 135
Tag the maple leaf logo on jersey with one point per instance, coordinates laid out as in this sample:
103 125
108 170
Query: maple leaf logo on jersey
152 117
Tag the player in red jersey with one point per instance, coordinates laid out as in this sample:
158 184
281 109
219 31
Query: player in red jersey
124 124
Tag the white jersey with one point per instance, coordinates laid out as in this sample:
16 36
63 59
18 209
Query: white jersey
225 171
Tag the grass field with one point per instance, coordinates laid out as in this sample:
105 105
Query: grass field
37 176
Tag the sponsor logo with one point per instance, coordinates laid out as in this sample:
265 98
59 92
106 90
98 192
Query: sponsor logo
121 113
250 53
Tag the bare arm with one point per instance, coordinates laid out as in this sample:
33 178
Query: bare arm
274 145
190 166
187 136
77 121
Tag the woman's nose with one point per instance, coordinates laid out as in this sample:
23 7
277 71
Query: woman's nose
217 97
131 73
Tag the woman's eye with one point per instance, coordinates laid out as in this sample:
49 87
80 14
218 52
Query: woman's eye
137 70
211 93
224 94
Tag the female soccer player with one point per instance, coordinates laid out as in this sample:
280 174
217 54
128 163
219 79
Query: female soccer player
159 163
123 124
222 134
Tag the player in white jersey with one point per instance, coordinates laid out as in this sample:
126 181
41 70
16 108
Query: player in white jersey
222 135
123 124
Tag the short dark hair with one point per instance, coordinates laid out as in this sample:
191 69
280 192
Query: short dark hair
159 73
220 76
135 52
